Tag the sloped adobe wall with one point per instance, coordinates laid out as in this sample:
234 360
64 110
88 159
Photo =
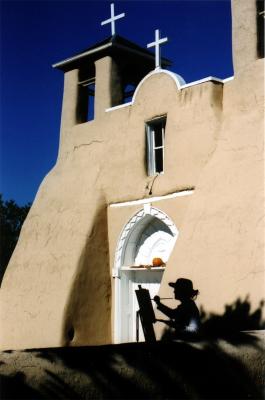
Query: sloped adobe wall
57 287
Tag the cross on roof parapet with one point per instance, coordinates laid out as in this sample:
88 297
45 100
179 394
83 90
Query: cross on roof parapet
158 41
112 19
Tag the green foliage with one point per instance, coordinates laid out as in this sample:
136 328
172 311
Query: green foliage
12 217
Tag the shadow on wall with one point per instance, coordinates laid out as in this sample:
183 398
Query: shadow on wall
92 286
236 318
186 322
223 363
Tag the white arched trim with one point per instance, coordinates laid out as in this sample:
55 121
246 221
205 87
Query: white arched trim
122 284
179 81
152 211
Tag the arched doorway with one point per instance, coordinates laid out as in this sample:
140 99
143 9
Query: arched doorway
150 233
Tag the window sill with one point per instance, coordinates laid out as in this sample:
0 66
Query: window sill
140 268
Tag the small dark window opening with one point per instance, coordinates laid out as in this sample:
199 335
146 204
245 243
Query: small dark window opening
85 109
91 101
260 27
128 93
159 161
155 134
86 93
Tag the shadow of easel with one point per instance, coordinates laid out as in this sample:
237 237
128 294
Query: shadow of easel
146 314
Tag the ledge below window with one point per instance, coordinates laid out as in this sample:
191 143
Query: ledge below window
143 268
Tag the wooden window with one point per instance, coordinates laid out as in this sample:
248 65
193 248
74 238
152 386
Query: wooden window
155 135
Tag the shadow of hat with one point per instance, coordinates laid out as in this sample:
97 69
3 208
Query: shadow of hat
183 285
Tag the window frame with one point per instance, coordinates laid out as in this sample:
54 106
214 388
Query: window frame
152 159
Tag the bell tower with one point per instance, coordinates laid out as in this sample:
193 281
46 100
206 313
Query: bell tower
107 73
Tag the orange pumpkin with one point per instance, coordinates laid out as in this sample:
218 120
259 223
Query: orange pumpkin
157 262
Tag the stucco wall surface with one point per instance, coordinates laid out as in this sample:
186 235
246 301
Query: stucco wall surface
221 245
244 34
57 288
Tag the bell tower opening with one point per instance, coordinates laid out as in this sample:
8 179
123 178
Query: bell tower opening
86 98
103 76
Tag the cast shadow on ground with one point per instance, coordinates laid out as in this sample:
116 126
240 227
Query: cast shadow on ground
15 387
162 370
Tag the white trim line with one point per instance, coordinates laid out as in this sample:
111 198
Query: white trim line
153 199
175 78
119 106
230 78
209 78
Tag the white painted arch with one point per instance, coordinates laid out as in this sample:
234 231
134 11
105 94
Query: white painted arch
133 226
150 228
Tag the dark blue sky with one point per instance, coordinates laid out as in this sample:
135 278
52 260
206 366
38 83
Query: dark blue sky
36 34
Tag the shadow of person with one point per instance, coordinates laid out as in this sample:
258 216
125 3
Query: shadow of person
184 322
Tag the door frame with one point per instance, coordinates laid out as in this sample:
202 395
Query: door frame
119 254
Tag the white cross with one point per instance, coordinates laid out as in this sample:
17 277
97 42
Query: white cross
112 19
157 44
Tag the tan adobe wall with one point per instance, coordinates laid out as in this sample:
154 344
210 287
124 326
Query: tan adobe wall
221 246
58 283
244 34
60 267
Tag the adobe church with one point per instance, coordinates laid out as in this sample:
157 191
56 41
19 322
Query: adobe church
165 170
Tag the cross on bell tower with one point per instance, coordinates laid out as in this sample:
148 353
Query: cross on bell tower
158 41
112 19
